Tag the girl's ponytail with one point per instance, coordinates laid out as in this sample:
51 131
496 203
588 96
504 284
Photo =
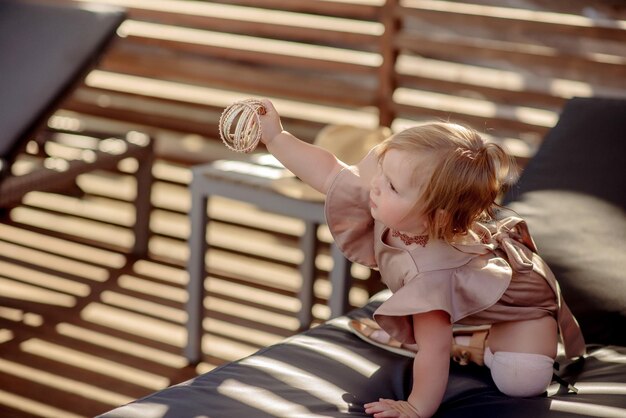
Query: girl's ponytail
502 164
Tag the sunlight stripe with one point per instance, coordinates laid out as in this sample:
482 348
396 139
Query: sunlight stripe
264 400
123 346
300 379
587 409
96 364
336 352
32 407
62 383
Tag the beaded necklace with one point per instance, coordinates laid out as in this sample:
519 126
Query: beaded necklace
410 239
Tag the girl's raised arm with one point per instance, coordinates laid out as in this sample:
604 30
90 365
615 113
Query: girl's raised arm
313 165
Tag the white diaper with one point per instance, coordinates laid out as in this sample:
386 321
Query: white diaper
520 374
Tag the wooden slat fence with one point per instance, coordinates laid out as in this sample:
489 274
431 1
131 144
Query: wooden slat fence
505 67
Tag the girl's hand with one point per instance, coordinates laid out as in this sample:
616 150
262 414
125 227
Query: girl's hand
391 408
270 122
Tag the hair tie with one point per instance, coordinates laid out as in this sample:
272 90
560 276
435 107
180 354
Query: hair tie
247 132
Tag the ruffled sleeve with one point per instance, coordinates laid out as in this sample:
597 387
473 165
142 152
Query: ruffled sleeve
460 292
349 218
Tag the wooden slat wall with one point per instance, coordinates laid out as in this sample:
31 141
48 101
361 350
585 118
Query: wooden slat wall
181 62
505 67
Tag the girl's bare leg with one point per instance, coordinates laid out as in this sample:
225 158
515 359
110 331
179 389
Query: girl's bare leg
537 336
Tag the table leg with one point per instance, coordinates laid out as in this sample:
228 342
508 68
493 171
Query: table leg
340 280
196 269
143 204
308 245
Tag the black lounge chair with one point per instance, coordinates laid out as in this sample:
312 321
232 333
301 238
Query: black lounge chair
47 50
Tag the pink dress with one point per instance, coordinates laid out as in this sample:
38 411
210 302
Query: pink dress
496 278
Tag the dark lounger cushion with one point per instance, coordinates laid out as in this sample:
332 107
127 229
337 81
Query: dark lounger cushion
329 372
573 195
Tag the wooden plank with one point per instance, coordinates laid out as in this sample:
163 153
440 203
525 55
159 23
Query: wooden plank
484 113
453 88
610 9
320 87
514 21
524 37
304 130
337 34
142 117
544 60
502 86
351 9
363 9
250 49
497 126
166 114
257 21
207 98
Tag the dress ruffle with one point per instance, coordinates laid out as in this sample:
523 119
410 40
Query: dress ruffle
460 292
349 219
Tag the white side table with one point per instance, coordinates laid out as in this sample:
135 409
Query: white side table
253 183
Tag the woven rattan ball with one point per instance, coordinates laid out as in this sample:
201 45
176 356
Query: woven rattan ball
240 125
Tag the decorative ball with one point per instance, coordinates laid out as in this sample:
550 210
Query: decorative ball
240 125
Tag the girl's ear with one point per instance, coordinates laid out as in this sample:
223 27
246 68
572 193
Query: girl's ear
442 220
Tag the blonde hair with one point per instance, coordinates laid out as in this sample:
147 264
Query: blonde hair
468 175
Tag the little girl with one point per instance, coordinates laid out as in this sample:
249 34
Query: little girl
419 207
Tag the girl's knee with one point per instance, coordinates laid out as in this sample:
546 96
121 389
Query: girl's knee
520 374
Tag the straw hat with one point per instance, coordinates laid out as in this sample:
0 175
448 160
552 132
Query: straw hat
350 143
